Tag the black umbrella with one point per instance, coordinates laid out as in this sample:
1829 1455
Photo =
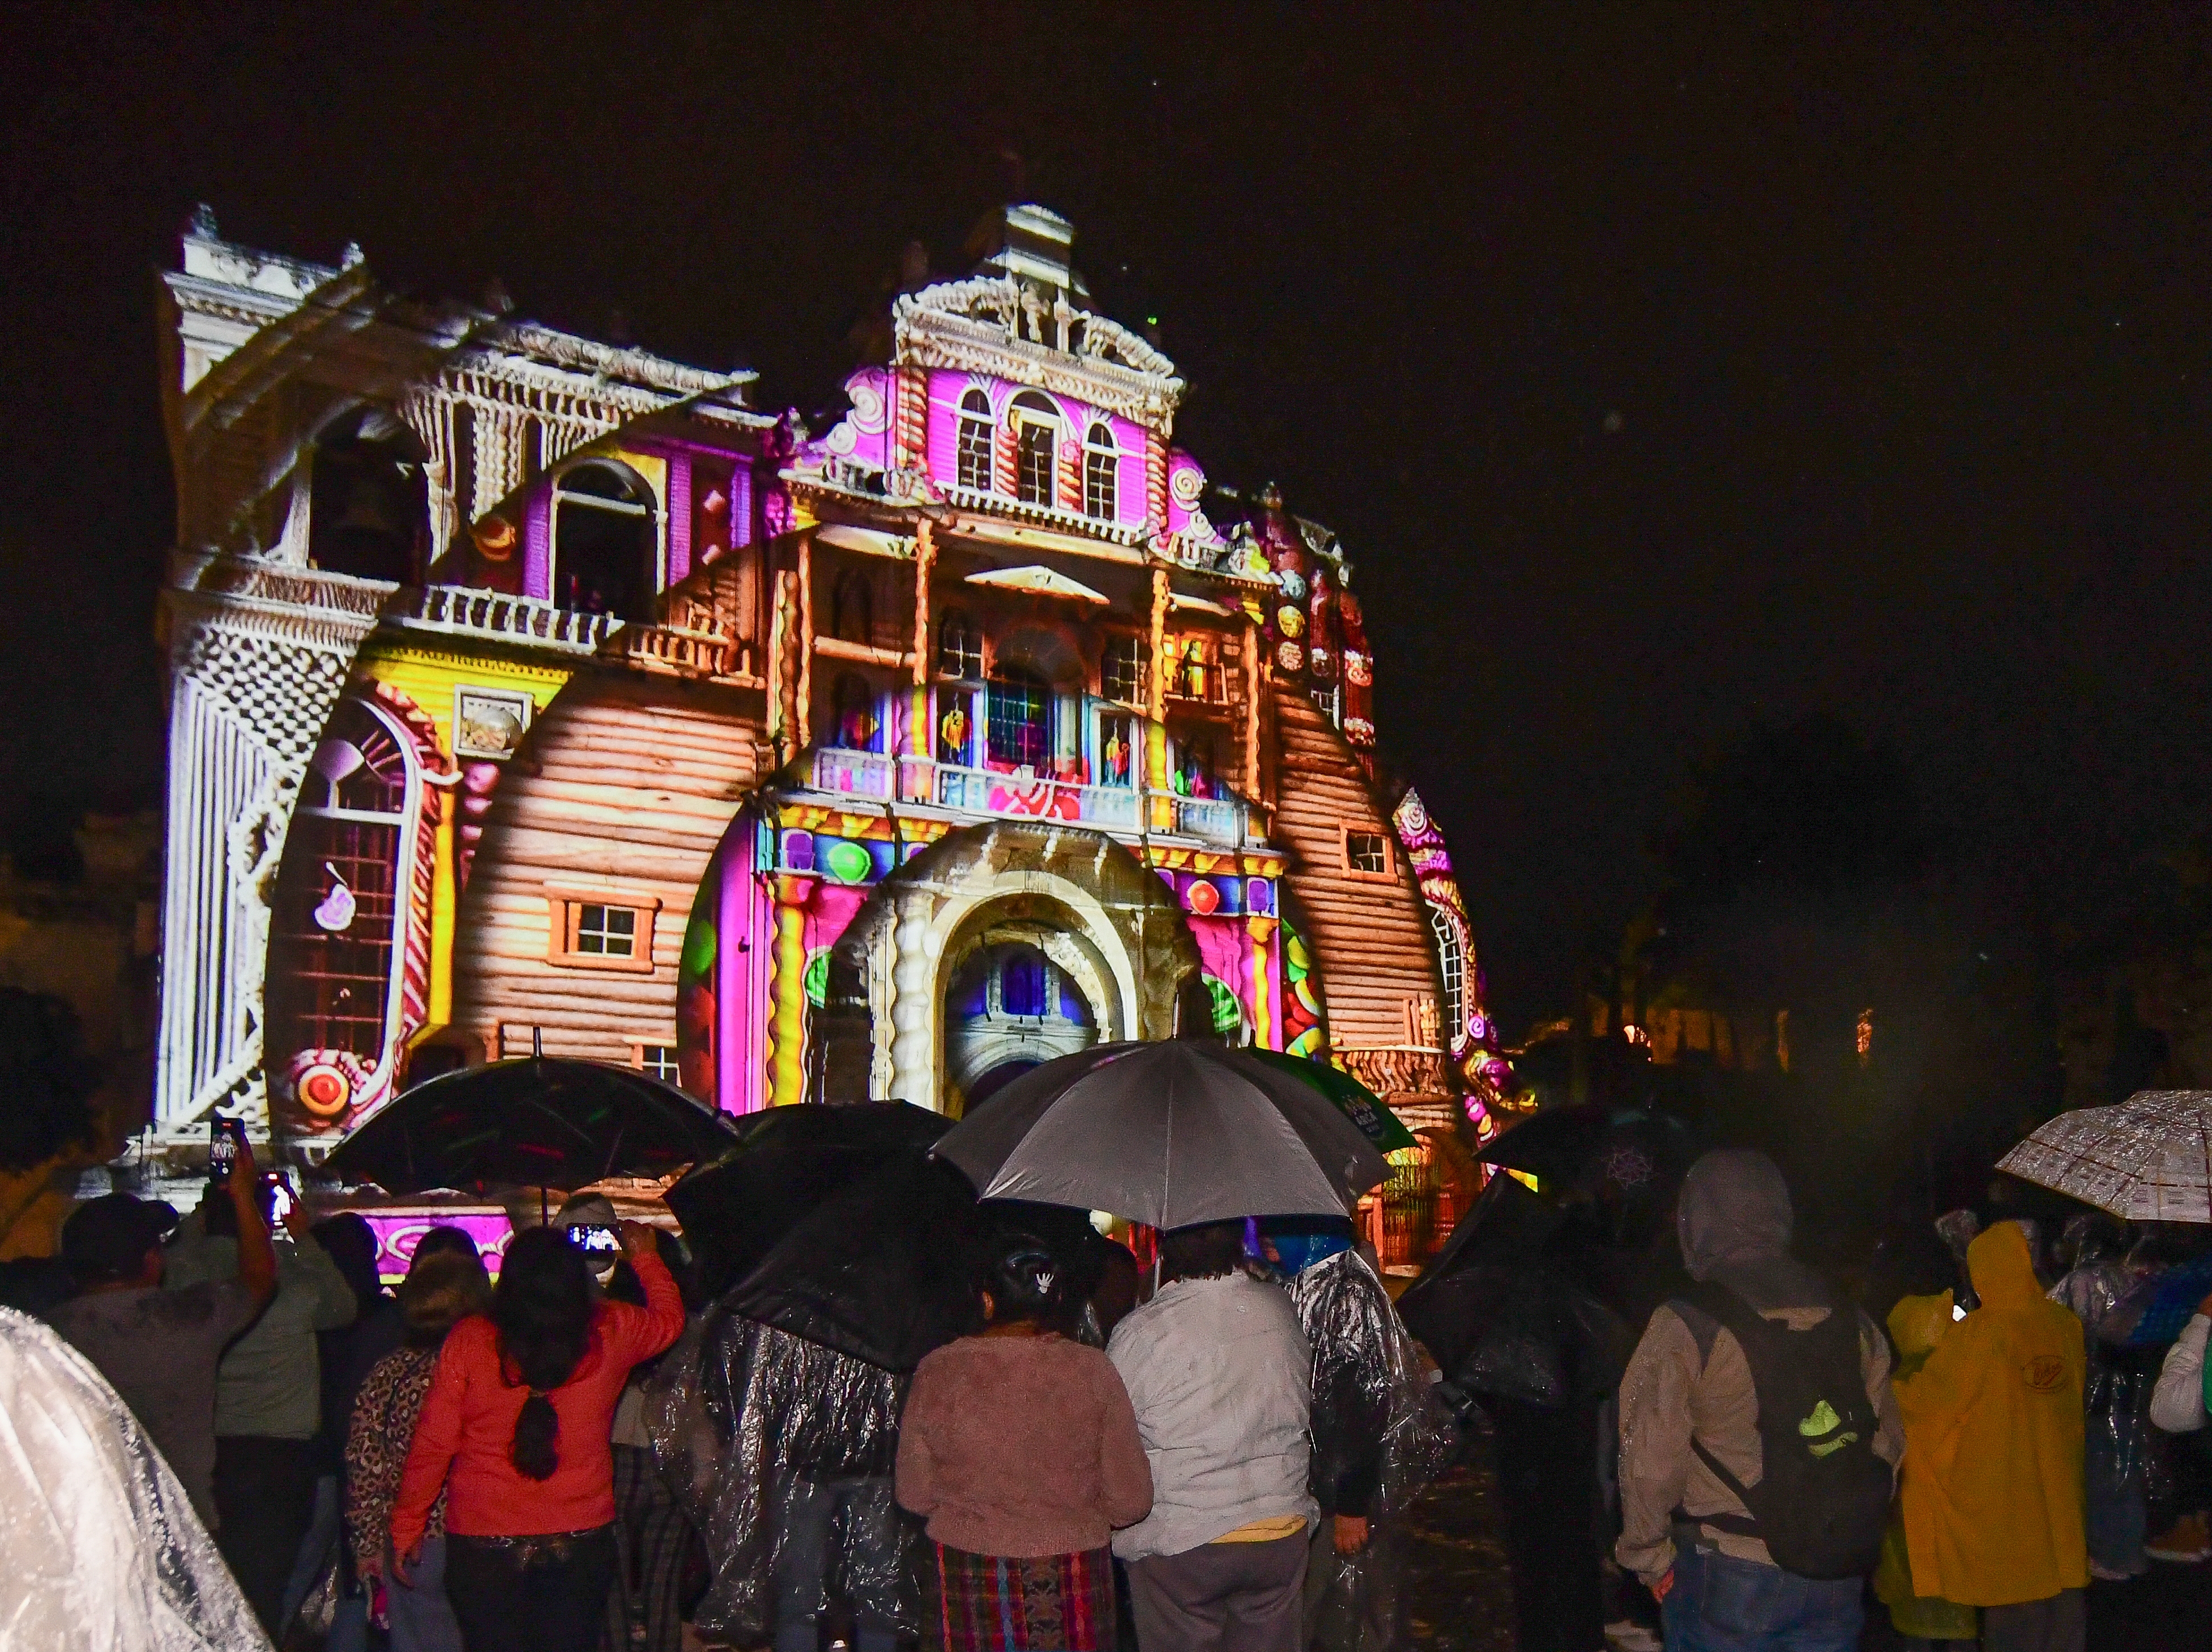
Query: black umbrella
1560 1145
1503 1314
533 1122
884 1270
785 1162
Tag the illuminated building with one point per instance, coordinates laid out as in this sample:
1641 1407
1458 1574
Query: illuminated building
529 691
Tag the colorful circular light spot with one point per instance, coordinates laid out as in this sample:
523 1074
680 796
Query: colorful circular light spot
324 1090
848 862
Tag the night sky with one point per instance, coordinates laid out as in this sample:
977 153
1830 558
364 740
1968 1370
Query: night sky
1663 373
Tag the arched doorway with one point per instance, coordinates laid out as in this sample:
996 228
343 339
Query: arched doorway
999 947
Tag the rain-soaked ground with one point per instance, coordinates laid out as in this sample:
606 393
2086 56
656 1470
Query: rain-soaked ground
1459 1592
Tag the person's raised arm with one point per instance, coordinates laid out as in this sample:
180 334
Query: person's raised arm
639 1333
257 1256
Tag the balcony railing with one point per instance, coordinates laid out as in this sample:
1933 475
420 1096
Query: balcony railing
856 774
685 650
461 610
1024 796
1215 819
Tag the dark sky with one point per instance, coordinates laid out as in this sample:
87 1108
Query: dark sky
1664 371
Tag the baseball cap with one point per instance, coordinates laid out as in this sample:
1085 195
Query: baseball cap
106 1238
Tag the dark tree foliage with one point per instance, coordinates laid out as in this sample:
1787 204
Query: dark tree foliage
46 1080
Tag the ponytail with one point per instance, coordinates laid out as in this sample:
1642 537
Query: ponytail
535 1452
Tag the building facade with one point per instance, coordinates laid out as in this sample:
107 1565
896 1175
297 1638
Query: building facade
530 693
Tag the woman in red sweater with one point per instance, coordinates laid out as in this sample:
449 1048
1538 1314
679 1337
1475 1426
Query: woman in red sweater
514 1427
1020 1448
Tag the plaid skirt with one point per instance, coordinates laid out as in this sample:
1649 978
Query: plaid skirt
1040 1603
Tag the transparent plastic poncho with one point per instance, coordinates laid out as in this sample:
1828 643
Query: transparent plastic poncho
104 1553
2117 1382
746 1421
1372 1398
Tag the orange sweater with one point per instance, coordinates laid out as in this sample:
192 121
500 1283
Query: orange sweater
467 1428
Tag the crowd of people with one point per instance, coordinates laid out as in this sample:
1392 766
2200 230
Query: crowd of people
1212 1450
1973 1430
1204 1454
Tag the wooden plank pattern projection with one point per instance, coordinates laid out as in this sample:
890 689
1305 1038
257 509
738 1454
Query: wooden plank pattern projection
1370 938
631 785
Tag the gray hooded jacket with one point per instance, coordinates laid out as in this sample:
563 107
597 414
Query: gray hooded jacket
1734 1221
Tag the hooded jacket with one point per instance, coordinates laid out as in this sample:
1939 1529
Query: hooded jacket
1734 1221
1992 1491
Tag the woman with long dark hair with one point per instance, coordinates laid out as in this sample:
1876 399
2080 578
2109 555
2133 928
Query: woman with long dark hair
1020 1448
515 1431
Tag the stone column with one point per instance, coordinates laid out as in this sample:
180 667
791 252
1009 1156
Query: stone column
913 979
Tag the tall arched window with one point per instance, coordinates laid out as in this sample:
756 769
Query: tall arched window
1101 462
341 909
1451 962
975 441
853 607
1036 448
606 544
959 647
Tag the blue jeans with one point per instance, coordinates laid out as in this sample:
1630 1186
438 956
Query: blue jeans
1720 1604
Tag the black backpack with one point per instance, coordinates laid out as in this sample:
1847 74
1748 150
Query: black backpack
1823 1498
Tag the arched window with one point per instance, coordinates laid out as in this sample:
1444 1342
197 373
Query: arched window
368 514
1101 462
859 726
1036 448
341 910
853 607
1126 673
1451 962
606 546
1017 721
975 441
959 647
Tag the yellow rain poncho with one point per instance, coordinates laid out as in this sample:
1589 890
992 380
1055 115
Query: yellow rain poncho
1992 1482
1917 1324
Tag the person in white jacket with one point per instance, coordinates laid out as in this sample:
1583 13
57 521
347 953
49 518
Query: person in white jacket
1220 1377
2176 1404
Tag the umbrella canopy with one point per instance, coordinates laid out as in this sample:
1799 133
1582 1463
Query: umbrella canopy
1170 1134
2149 1159
884 1269
1561 1144
1352 1098
785 1162
534 1122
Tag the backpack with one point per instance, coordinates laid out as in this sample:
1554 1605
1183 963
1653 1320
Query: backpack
1822 1501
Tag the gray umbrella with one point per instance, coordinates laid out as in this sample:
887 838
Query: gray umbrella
1170 1134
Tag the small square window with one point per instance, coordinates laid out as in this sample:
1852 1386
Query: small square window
609 932
1367 855
658 1062
601 929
